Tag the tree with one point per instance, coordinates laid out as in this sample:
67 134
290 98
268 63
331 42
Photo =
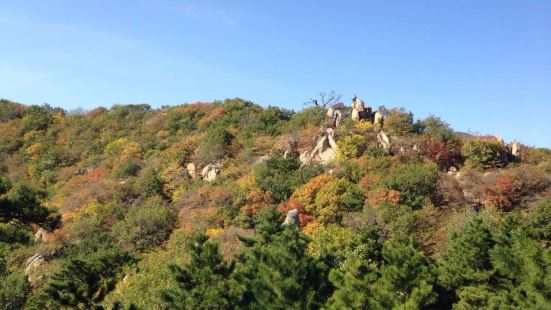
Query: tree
83 283
204 283
14 289
324 99
276 176
336 198
400 279
484 154
415 182
406 278
275 270
467 259
21 203
146 226
539 222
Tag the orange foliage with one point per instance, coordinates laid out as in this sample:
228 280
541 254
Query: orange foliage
306 194
383 195
210 117
256 200
506 193
367 182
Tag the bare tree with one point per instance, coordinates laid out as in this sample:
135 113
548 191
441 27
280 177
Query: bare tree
324 99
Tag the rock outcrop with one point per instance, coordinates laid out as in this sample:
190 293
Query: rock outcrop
325 149
516 149
40 235
384 141
292 218
191 170
210 172
33 262
378 118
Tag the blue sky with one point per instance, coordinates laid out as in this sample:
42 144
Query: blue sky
483 66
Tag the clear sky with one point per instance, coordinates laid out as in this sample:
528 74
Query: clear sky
483 66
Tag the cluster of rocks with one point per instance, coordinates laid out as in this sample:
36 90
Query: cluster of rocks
324 150
209 173
360 112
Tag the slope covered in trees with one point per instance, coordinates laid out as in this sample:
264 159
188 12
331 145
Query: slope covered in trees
110 209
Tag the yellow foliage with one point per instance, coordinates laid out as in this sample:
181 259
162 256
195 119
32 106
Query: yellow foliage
172 177
58 117
363 125
35 150
32 135
213 232
306 194
163 134
311 228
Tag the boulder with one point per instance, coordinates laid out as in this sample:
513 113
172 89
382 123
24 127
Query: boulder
324 151
338 118
191 170
355 115
330 112
210 172
264 158
40 235
292 218
515 149
33 262
378 118
384 141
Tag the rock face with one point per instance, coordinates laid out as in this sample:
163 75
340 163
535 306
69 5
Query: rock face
515 149
292 218
33 262
40 235
384 141
378 118
325 149
210 172
191 170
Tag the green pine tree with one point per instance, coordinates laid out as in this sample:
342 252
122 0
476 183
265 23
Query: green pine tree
276 272
204 283
467 259
83 283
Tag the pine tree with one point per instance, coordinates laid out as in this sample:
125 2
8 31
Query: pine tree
20 203
84 283
406 277
204 283
353 285
276 272
467 259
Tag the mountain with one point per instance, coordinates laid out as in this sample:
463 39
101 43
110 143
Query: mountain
182 207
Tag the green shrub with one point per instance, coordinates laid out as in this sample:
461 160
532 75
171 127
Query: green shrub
484 154
129 167
399 122
335 198
539 224
281 176
215 145
146 227
312 116
415 182
14 290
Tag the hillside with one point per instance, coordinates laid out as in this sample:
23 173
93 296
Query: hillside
182 208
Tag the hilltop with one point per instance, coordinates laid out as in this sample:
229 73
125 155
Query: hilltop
392 211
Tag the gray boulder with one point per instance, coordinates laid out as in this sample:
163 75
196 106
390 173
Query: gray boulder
324 151
292 218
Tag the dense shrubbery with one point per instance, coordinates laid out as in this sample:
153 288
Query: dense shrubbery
484 154
374 225
415 182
